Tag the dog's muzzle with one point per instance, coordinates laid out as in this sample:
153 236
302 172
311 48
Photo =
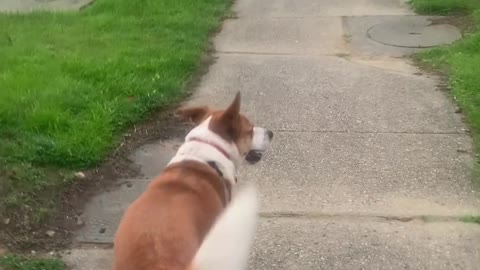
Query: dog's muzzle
261 141
253 156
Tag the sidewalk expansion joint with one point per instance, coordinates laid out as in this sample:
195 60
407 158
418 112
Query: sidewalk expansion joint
324 16
91 244
359 217
372 132
218 52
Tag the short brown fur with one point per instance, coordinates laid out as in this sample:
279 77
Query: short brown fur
165 226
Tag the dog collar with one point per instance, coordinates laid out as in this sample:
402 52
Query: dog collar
215 167
216 146
226 189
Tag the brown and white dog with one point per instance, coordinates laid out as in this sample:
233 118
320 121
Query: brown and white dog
185 220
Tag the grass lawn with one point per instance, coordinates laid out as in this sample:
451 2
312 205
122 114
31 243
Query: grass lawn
445 7
71 82
460 61
471 219
24 263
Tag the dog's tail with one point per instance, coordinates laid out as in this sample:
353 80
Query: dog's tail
227 245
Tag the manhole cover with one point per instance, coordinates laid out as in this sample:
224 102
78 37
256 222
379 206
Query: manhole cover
412 34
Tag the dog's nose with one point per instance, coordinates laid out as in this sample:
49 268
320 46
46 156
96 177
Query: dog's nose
270 134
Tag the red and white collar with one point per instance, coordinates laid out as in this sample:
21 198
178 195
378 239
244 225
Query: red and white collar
214 145
192 150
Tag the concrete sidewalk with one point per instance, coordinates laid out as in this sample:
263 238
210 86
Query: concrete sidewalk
369 164
25 6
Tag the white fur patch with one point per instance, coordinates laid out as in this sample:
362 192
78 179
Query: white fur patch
260 141
227 245
203 152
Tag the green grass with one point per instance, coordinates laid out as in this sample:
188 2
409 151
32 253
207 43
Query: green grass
471 219
25 263
444 7
70 83
460 61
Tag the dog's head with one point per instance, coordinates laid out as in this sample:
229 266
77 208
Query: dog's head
232 127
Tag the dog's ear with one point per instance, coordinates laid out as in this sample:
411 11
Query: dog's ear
231 118
194 114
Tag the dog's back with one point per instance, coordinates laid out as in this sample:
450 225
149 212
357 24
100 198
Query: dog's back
165 226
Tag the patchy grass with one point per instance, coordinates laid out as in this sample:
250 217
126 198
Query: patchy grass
70 83
12 262
444 7
471 219
459 61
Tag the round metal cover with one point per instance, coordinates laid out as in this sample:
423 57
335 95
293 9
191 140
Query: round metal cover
413 34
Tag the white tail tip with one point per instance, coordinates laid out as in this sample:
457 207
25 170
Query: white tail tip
228 244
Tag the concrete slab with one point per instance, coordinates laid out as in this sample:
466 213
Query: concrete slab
343 244
366 174
330 244
306 93
102 214
303 8
283 35
52 5
152 158
89 258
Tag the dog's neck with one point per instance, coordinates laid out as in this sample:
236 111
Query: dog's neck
203 145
